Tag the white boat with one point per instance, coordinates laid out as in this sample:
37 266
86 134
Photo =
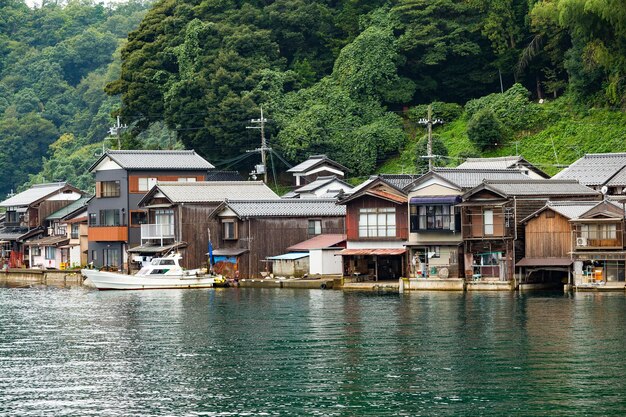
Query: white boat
161 273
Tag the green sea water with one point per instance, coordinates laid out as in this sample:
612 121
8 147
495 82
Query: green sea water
236 352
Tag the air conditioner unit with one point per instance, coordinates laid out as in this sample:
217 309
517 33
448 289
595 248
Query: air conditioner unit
581 241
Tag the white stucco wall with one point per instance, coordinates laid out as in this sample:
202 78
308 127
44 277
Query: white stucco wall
324 262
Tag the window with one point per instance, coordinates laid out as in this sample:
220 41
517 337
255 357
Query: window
164 216
315 227
488 222
145 184
110 217
229 229
94 255
138 217
50 252
75 231
109 189
377 222
35 251
110 257
437 217
189 179
12 216
434 252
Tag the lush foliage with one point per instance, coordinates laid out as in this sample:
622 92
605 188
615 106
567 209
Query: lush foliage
54 64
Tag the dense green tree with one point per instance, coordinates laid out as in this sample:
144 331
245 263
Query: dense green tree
485 130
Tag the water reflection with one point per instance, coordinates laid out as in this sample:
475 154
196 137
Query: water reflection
253 351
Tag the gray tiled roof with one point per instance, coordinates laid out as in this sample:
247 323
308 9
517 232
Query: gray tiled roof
156 159
70 208
619 179
313 161
572 209
470 178
215 191
287 208
530 187
399 180
594 169
319 183
503 162
34 193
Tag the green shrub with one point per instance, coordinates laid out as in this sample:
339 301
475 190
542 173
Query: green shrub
485 130
447 112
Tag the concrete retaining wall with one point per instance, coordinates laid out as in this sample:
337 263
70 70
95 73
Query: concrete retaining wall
42 277
435 284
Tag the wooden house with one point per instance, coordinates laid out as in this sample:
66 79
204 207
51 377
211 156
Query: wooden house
178 216
377 231
435 240
25 217
245 233
493 233
581 243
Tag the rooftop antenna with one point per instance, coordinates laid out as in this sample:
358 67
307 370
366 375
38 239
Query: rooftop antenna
261 169
429 122
116 130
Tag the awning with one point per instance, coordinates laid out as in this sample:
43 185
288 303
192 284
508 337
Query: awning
368 252
436 200
228 252
157 206
545 262
433 243
156 248
289 256
318 242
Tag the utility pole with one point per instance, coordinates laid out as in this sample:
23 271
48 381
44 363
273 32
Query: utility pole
117 131
264 148
429 122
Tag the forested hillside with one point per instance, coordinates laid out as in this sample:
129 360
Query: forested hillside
54 64
349 78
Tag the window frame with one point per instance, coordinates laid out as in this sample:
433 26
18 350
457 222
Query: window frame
107 192
372 227
50 253
116 217
233 223
133 213
313 225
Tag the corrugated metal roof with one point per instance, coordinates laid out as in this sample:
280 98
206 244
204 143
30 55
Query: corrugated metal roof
215 191
288 256
48 241
318 242
541 188
503 162
34 193
157 159
545 262
286 208
470 178
313 161
594 169
70 208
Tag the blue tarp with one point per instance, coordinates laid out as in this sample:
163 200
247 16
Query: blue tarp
436 200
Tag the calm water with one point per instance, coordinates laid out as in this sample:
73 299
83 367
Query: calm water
77 352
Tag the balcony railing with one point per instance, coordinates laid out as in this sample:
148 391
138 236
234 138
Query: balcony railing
157 232
598 239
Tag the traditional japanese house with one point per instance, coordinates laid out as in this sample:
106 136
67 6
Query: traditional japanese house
516 163
435 240
25 217
597 171
491 215
580 243
178 216
377 230
60 247
122 179
316 166
245 233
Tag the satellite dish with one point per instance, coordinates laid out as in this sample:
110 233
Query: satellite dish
604 189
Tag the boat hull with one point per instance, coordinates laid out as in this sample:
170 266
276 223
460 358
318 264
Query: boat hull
113 281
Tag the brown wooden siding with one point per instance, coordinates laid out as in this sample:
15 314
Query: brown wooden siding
108 233
133 180
194 223
38 216
548 237
352 217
